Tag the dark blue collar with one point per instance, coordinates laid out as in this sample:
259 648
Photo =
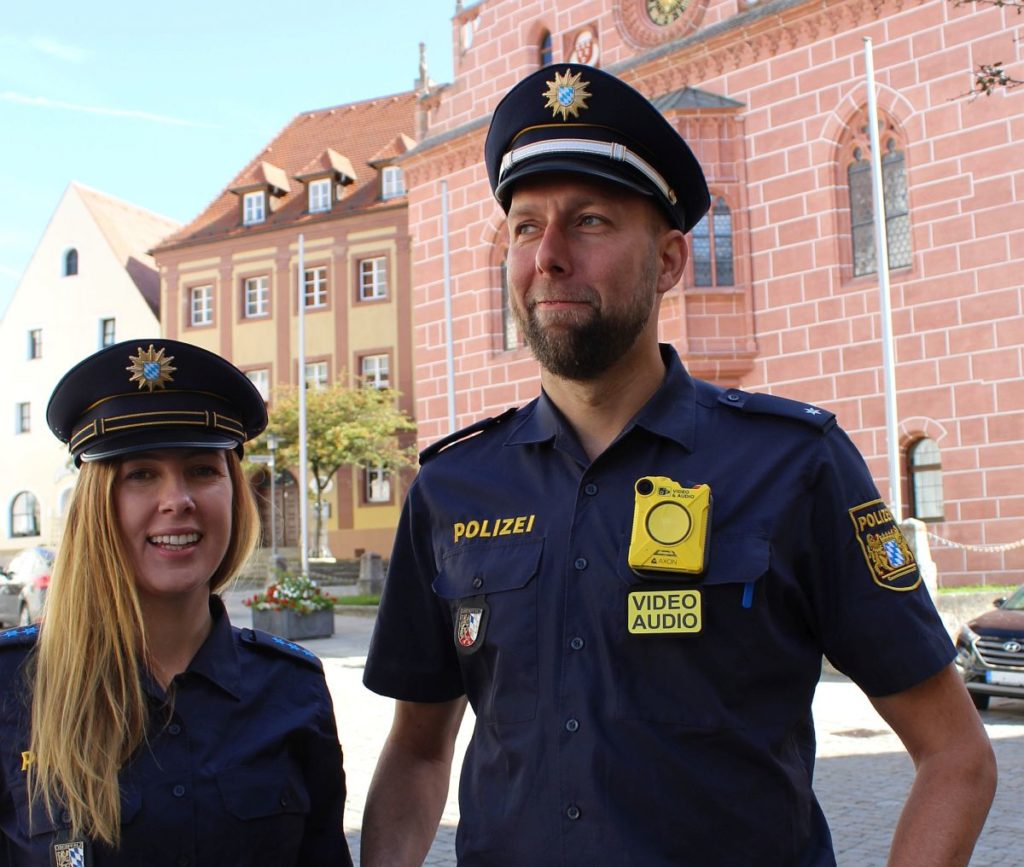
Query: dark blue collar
670 412
217 658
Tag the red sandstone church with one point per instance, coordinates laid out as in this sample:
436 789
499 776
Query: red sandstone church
781 293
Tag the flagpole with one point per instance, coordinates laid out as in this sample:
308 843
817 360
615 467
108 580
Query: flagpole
303 459
882 251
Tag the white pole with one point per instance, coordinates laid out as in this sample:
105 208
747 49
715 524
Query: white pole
303 459
882 251
449 339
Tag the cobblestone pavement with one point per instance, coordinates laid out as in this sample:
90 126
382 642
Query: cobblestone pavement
862 774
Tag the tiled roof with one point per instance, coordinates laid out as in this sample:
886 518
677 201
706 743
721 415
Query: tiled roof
263 174
399 145
130 231
329 161
356 132
692 97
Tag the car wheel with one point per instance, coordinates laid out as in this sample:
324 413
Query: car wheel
980 700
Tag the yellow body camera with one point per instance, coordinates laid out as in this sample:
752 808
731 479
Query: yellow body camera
671 526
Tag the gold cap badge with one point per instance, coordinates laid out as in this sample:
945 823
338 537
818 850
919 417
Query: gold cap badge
150 369
566 95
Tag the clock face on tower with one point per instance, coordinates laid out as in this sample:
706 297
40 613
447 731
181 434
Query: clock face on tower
664 12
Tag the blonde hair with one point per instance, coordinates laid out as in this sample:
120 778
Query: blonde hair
89 711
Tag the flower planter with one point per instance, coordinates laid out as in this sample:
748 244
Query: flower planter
294 625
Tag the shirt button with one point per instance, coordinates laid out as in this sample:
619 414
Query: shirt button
178 791
732 396
577 643
590 489
478 582
572 811
174 729
581 563
572 725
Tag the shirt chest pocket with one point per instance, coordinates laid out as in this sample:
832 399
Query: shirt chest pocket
491 590
701 679
43 826
266 807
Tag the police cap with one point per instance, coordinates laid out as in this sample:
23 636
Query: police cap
575 118
153 394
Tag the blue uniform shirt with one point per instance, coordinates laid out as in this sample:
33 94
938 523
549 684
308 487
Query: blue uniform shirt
598 745
246 770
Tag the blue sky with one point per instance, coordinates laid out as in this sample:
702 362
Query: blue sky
160 105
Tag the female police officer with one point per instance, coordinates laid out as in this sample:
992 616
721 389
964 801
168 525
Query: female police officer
137 725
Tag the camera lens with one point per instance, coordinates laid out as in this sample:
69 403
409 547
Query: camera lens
644 487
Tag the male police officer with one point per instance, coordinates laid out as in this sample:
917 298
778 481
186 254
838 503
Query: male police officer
633 578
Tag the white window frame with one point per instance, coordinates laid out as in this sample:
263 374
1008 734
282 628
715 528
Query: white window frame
24 518
254 208
378 485
314 287
373 278
35 343
23 417
201 305
320 195
392 182
257 297
316 375
375 371
261 379
104 339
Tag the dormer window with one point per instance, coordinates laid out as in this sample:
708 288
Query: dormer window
254 208
71 262
392 182
320 196
261 189
324 176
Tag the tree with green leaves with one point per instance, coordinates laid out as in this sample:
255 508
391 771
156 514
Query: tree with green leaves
345 426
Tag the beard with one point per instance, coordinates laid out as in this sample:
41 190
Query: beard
584 347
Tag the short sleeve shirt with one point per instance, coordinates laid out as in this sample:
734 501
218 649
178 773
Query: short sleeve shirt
600 740
246 769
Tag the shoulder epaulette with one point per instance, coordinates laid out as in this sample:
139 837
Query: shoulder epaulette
264 640
438 447
19 636
770 404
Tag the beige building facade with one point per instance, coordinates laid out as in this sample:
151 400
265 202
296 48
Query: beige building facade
327 193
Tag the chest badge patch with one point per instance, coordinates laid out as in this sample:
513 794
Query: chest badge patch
69 852
662 612
471 624
885 548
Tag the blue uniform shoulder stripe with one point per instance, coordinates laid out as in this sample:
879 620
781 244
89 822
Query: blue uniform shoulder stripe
20 636
769 404
276 644
436 448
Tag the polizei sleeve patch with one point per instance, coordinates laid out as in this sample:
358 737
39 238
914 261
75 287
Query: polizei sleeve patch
769 404
884 546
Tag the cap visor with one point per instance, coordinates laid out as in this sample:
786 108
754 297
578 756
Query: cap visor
557 165
150 441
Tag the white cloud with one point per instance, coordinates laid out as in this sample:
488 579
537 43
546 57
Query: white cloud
60 50
131 114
